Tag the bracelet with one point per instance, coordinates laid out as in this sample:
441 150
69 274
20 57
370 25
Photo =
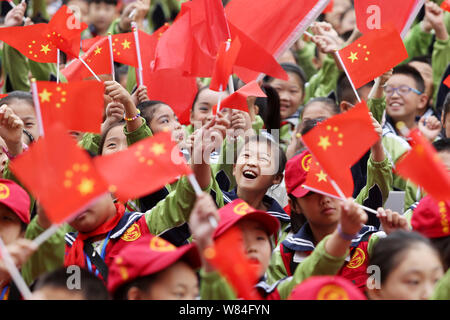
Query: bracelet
134 118
346 236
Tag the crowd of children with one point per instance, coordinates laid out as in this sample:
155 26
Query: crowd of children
303 244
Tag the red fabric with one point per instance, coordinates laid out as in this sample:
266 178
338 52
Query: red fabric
329 7
367 58
423 166
66 31
389 12
431 218
224 65
238 100
445 5
76 254
340 141
326 288
31 41
151 164
447 81
67 103
97 58
59 174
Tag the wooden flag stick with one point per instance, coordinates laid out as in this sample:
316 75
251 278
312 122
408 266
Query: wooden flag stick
15 274
46 234
112 56
89 68
138 52
198 192
37 105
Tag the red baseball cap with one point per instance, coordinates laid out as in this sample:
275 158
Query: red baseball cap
295 174
238 210
15 198
431 218
148 255
326 288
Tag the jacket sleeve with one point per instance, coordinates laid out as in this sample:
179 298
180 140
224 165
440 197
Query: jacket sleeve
323 82
417 42
305 58
276 270
16 69
139 134
91 142
214 287
440 60
442 289
377 107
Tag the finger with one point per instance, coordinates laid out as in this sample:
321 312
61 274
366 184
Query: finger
389 216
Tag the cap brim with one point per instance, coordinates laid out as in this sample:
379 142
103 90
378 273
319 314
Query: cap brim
271 224
299 192
25 219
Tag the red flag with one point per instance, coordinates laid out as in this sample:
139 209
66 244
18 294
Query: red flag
150 164
238 100
367 58
31 41
447 81
329 7
228 256
98 59
77 105
340 141
59 174
275 25
65 31
445 5
224 64
318 179
423 166
372 14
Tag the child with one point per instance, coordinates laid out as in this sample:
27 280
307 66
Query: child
409 267
445 118
257 228
101 15
154 269
55 286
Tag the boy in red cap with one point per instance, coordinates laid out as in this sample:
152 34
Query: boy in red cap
154 269
14 219
319 216
326 288
257 228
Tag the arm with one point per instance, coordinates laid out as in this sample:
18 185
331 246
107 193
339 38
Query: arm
442 289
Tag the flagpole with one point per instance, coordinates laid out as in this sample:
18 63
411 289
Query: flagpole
46 234
89 68
15 274
57 65
338 198
37 106
220 99
338 56
198 192
138 51
112 56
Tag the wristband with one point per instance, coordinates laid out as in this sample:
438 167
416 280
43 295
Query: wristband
134 118
346 236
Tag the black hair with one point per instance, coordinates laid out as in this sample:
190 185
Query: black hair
388 252
309 124
344 90
329 103
442 145
413 73
293 68
148 109
142 283
105 133
18 95
269 108
424 59
113 2
446 107
120 71
91 287
270 143
204 88
442 245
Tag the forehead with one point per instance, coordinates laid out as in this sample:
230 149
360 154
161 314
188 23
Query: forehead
22 108
250 224
422 67
316 110
294 80
257 147
116 132
401 79
210 96
163 109
445 157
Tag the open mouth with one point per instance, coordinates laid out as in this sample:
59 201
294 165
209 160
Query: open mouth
249 174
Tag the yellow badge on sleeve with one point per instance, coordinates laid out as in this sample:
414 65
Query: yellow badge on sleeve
132 233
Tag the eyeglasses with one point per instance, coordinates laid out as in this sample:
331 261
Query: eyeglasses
402 90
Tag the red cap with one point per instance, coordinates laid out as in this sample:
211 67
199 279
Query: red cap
295 174
148 255
15 198
326 288
431 218
238 210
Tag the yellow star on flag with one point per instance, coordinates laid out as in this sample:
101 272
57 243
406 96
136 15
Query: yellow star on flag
86 186
158 149
126 44
98 50
45 96
322 176
324 142
353 56
45 49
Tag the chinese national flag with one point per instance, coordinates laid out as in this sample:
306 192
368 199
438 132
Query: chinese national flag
370 13
65 31
318 179
423 166
445 5
77 105
340 141
31 41
97 58
228 256
372 55
447 81
59 174
150 164
224 65
238 100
